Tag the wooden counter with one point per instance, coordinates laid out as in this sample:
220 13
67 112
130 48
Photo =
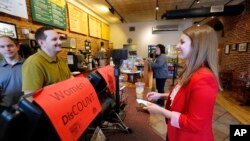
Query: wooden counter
88 71
148 75
137 120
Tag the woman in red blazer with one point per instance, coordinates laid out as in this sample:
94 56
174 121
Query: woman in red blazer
190 103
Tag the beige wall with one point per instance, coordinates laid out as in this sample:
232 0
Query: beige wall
143 36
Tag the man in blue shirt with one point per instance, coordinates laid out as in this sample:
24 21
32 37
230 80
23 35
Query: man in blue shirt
10 70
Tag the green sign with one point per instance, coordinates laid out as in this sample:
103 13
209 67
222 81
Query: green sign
48 12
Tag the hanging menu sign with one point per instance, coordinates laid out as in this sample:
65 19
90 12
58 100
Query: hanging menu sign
78 20
105 31
14 7
51 12
94 27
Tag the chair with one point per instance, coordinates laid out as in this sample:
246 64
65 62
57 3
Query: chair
238 86
226 79
246 94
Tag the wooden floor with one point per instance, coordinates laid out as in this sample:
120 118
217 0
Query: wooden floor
234 107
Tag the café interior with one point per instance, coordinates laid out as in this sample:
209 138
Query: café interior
123 35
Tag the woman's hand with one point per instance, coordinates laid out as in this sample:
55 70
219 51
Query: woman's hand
154 109
153 96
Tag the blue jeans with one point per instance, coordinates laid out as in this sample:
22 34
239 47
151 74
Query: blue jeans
160 84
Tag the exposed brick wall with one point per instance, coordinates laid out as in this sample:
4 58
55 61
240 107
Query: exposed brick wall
236 30
27 23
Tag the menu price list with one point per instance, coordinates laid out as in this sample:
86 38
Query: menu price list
47 12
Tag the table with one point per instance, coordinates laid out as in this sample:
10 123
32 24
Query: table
131 75
140 67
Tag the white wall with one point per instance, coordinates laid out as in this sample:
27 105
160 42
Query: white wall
143 36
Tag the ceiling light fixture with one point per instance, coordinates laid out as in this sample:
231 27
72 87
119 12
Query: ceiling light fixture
192 4
157 8
197 1
113 11
157 5
122 20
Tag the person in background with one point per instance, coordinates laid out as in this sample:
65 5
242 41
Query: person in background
1 57
10 70
44 67
160 71
190 104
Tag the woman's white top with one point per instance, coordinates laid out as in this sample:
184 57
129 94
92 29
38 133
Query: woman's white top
174 92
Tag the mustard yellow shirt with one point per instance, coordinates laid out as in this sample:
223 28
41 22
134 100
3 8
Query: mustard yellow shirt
40 70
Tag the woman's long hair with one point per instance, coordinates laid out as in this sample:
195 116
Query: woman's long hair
204 44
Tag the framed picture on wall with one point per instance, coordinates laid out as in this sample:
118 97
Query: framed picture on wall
233 47
242 47
227 49
8 29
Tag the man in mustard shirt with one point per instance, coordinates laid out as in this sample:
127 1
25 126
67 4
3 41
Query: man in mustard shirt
44 67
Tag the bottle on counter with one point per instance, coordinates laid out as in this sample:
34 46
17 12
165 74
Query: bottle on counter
95 63
90 62
97 60
111 63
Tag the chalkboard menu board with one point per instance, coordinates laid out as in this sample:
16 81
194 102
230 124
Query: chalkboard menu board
51 12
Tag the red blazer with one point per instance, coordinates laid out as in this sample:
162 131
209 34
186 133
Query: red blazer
195 101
